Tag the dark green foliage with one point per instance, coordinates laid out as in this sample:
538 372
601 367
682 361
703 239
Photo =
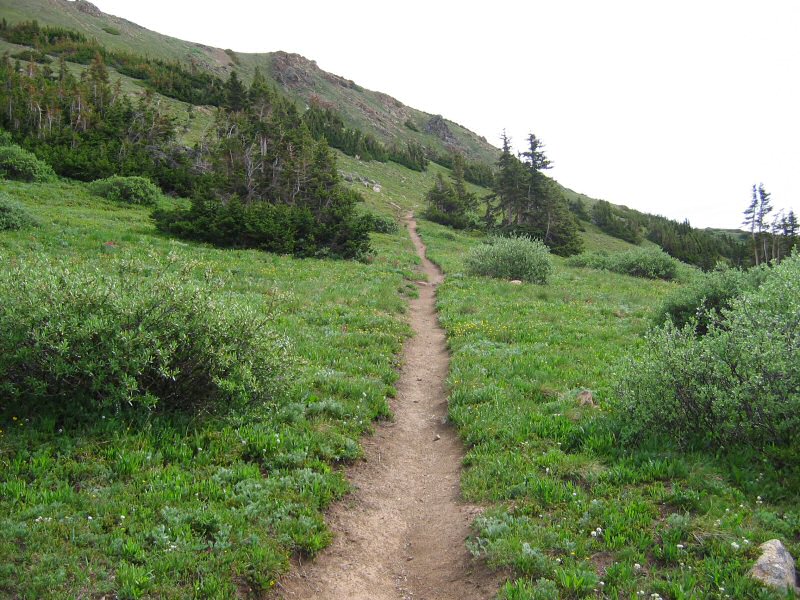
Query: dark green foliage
13 216
529 203
88 130
80 340
650 263
737 386
578 208
411 125
324 123
379 223
615 222
112 30
169 78
21 165
449 203
271 186
510 258
695 246
474 172
412 155
130 190
703 301
33 56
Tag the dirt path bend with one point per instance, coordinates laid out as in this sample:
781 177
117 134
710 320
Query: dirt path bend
400 534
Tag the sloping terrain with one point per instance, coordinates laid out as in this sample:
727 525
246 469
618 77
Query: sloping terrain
300 78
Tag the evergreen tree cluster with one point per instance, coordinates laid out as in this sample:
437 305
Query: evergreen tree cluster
269 184
527 202
616 222
168 78
449 202
86 128
697 247
770 240
475 172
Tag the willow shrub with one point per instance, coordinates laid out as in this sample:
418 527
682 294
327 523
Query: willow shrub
128 190
140 334
520 258
650 263
736 386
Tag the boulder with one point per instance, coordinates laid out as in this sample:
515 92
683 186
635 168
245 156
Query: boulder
775 567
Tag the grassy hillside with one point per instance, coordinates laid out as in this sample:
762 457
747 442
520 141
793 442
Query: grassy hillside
192 505
573 514
300 78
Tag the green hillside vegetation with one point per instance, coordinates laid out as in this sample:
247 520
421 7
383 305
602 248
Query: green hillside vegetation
575 513
172 503
203 292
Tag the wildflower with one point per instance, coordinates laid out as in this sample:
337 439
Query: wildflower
594 534
637 567
734 545
89 517
679 546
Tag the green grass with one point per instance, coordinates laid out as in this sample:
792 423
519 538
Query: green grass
157 506
567 508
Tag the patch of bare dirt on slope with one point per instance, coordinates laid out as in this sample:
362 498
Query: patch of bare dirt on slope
400 534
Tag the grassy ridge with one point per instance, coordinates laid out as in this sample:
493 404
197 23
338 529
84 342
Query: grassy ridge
154 505
572 513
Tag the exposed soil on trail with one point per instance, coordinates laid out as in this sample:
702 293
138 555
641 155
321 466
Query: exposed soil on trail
400 534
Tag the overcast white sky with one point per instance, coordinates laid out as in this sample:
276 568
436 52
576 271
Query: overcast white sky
675 108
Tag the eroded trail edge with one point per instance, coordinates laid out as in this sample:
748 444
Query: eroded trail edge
400 534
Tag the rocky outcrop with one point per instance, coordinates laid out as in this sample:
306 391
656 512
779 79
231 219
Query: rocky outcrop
775 567
438 127
88 8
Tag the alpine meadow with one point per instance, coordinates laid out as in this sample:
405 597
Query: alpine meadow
265 333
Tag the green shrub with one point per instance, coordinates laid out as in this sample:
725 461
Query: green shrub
130 190
5 138
651 263
511 258
379 223
739 385
279 228
19 164
134 334
704 298
13 216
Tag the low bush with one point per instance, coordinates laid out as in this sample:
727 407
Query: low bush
520 258
379 223
650 263
130 190
13 216
703 299
454 220
134 334
18 164
280 228
739 385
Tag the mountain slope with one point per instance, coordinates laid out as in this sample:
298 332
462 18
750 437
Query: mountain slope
300 78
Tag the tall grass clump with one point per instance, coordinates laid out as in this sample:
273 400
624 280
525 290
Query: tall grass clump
136 333
129 190
520 258
13 216
650 263
20 165
736 386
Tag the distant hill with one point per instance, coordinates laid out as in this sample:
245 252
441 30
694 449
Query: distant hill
385 117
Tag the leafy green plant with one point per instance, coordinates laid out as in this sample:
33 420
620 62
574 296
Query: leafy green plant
703 299
19 164
130 190
650 263
13 216
520 258
739 385
140 334
379 223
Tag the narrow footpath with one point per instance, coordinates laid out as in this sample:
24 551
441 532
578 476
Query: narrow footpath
400 534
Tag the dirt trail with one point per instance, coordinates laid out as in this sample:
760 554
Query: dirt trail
400 534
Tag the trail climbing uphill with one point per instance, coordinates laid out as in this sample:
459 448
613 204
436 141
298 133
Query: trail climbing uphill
400 534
